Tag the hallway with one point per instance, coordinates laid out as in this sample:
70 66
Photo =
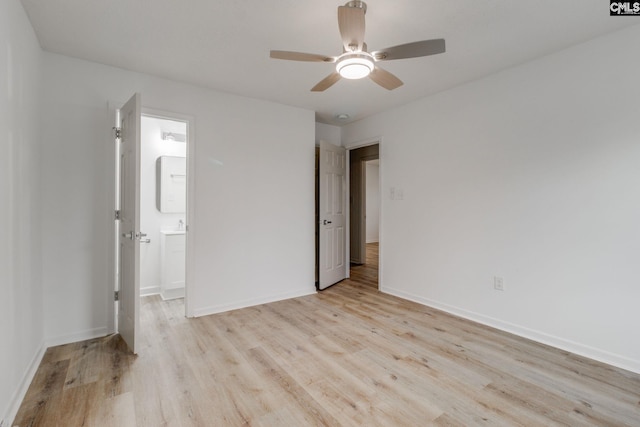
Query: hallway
367 273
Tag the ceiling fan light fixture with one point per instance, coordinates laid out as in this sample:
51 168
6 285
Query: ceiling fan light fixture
354 66
356 62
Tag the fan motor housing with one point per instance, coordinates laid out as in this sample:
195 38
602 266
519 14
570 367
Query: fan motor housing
357 4
355 65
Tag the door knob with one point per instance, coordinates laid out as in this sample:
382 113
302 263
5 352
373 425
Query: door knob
325 222
128 235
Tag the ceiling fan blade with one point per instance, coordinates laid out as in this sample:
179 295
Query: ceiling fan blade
410 50
385 79
351 24
326 83
299 56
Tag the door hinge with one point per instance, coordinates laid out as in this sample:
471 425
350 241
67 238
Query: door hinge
116 296
118 132
117 215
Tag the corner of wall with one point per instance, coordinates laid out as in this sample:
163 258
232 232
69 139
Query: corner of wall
21 308
23 387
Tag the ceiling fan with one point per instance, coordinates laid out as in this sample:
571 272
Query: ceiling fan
356 62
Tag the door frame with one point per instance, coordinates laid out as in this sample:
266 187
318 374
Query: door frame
112 194
353 146
357 199
190 227
112 156
129 119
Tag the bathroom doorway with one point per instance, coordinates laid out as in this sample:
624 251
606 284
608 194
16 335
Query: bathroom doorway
163 208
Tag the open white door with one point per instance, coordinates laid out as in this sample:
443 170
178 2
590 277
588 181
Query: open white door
129 236
332 215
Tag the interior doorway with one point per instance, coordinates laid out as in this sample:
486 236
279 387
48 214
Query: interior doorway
360 259
331 215
364 214
163 207
174 130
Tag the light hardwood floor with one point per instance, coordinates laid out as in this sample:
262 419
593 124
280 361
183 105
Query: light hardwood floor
347 356
367 273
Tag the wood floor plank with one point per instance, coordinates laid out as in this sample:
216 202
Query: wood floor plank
115 366
316 413
45 392
348 356
116 411
83 368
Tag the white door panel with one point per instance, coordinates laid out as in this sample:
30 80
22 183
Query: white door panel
129 238
332 214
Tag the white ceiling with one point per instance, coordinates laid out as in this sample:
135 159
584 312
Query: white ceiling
224 44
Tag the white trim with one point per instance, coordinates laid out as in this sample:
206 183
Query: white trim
112 106
352 146
205 311
190 246
364 143
521 331
21 391
34 364
347 204
88 334
112 153
191 173
149 290
174 293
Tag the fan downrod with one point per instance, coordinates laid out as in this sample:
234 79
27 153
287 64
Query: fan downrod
357 4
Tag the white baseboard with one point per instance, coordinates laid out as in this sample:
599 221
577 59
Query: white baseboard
16 400
21 391
149 290
205 311
174 293
541 337
77 336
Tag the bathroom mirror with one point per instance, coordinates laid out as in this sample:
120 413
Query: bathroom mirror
171 184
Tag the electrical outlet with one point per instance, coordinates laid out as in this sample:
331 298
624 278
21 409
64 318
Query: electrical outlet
498 283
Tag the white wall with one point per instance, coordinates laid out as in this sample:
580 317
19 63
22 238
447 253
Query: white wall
21 327
253 229
151 219
532 175
372 174
328 133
